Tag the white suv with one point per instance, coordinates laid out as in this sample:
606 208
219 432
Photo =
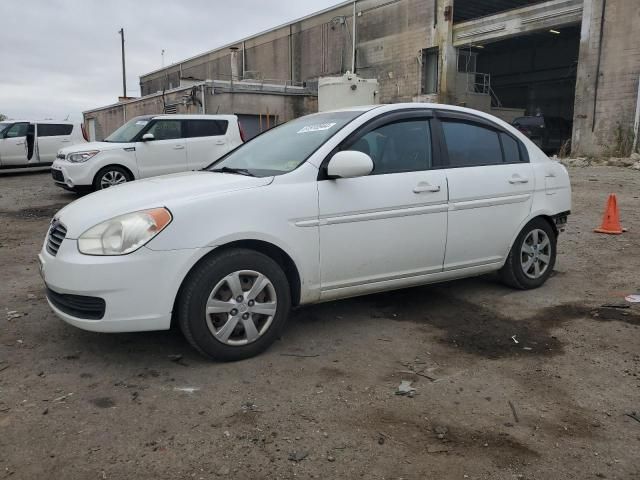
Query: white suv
25 143
327 206
147 146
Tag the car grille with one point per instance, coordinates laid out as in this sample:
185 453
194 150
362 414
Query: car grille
56 235
57 175
79 306
61 156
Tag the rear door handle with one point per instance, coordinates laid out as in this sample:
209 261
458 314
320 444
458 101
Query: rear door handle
219 142
178 147
19 143
518 179
65 141
424 187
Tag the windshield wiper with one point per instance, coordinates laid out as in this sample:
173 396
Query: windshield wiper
238 171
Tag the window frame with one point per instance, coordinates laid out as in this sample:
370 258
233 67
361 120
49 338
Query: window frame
463 117
381 121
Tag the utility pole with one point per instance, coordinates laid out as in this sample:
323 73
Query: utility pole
124 72
162 54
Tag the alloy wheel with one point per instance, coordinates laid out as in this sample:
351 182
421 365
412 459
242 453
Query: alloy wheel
111 178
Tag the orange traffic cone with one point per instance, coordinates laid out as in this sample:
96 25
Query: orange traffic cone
611 219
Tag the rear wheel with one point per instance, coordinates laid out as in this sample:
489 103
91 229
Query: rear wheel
111 176
532 256
233 305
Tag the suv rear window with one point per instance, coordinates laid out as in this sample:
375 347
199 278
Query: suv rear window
54 129
206 128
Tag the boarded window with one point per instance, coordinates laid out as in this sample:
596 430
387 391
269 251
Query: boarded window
430 70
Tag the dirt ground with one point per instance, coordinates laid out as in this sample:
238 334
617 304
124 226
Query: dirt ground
321 402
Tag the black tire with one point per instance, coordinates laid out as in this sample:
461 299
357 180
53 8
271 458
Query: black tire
199 285
513 273
113 170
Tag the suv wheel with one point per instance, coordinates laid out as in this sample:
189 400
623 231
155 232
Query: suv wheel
532 256
233 305
111 176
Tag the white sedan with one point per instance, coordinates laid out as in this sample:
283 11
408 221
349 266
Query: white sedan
330 205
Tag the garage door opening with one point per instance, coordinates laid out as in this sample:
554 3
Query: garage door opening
531 75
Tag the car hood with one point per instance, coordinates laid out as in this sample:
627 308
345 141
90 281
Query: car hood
165 191
101 146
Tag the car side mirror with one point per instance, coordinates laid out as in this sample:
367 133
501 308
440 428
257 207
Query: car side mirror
349 164
148 137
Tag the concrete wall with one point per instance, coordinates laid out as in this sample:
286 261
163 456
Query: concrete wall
390 36
283 107
618 77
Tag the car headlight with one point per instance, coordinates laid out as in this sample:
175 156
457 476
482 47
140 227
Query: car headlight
124 234
81 157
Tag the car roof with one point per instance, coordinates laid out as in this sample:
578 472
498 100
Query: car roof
57 122
195 117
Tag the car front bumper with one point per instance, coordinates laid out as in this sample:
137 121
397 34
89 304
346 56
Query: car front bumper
72 176
138 290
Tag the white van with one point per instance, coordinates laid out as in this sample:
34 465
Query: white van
36 143
147 146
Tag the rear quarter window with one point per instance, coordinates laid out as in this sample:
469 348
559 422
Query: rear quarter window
206 128
510 148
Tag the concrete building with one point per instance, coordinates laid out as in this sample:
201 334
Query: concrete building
575 59
259 105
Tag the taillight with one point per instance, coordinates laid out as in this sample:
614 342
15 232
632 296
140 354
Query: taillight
84 132
242 135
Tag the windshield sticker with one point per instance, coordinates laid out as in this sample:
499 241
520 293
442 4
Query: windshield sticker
142 122
319 127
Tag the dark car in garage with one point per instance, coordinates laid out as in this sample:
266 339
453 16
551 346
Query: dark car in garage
549 133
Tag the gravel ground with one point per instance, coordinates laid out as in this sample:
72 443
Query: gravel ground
321 402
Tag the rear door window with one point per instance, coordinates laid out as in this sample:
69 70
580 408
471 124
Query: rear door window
470 144
206 128
54 129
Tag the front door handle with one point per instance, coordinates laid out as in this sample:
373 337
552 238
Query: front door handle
518 179
178 147
424 187
19 143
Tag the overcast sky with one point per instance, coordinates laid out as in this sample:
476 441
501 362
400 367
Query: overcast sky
60 57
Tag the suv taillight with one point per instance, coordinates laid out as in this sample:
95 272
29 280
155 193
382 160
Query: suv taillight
242 136
84 132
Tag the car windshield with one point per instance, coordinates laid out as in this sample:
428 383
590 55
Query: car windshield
128 132
284 148
3 126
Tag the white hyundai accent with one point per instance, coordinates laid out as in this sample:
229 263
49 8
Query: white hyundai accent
327 206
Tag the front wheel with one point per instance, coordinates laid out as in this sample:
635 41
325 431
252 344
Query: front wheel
532 256
233 305
110 177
